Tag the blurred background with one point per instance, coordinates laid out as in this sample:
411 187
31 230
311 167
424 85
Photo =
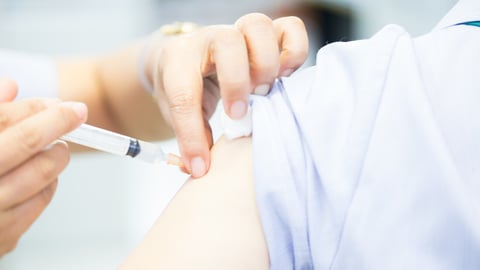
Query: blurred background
105 204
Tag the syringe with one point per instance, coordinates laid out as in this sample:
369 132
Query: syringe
111 142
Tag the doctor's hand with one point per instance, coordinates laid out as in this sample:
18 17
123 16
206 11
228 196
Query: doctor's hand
191 72
30 162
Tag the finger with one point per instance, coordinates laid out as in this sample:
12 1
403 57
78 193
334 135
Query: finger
184 100
33 176
211 96
230 56
23 216
13 112
263 50
293 40
8 90
31 135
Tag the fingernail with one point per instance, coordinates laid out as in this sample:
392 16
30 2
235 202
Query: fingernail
287 72
197 166
79 108
56 142
238 109
261 90
60 142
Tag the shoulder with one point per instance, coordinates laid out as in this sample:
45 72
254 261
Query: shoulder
361 55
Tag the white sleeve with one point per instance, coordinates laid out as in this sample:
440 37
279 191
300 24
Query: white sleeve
361 162
36 75
310 138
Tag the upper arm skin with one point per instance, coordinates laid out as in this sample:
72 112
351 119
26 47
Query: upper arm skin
212 222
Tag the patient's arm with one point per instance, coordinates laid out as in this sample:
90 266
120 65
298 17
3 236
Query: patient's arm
212 222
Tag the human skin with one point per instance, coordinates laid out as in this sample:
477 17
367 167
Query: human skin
189 74
212 222
30 162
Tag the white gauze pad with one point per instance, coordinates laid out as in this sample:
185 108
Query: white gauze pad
233 129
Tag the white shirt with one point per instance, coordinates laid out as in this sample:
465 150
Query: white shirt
371 159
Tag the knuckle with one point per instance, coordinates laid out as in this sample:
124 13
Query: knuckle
181 103
291 21
48 165
295 55
170 47
66 119
227 38
34 106
294 20
47 193
29 108
253 19
176 46
30 139
267 67
65 115
45 168
4 120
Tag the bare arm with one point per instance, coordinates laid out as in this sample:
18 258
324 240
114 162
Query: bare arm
212 223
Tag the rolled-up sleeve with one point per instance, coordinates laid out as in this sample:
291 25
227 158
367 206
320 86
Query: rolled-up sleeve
360 164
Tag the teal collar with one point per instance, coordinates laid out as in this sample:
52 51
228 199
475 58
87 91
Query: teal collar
472 23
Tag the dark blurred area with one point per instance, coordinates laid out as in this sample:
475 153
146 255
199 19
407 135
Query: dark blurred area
326 23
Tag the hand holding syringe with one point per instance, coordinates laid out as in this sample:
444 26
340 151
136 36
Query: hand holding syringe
111 142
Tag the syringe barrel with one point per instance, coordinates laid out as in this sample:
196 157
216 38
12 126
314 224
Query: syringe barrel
99 139
111 142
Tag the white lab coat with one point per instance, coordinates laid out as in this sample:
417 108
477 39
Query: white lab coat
371 159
